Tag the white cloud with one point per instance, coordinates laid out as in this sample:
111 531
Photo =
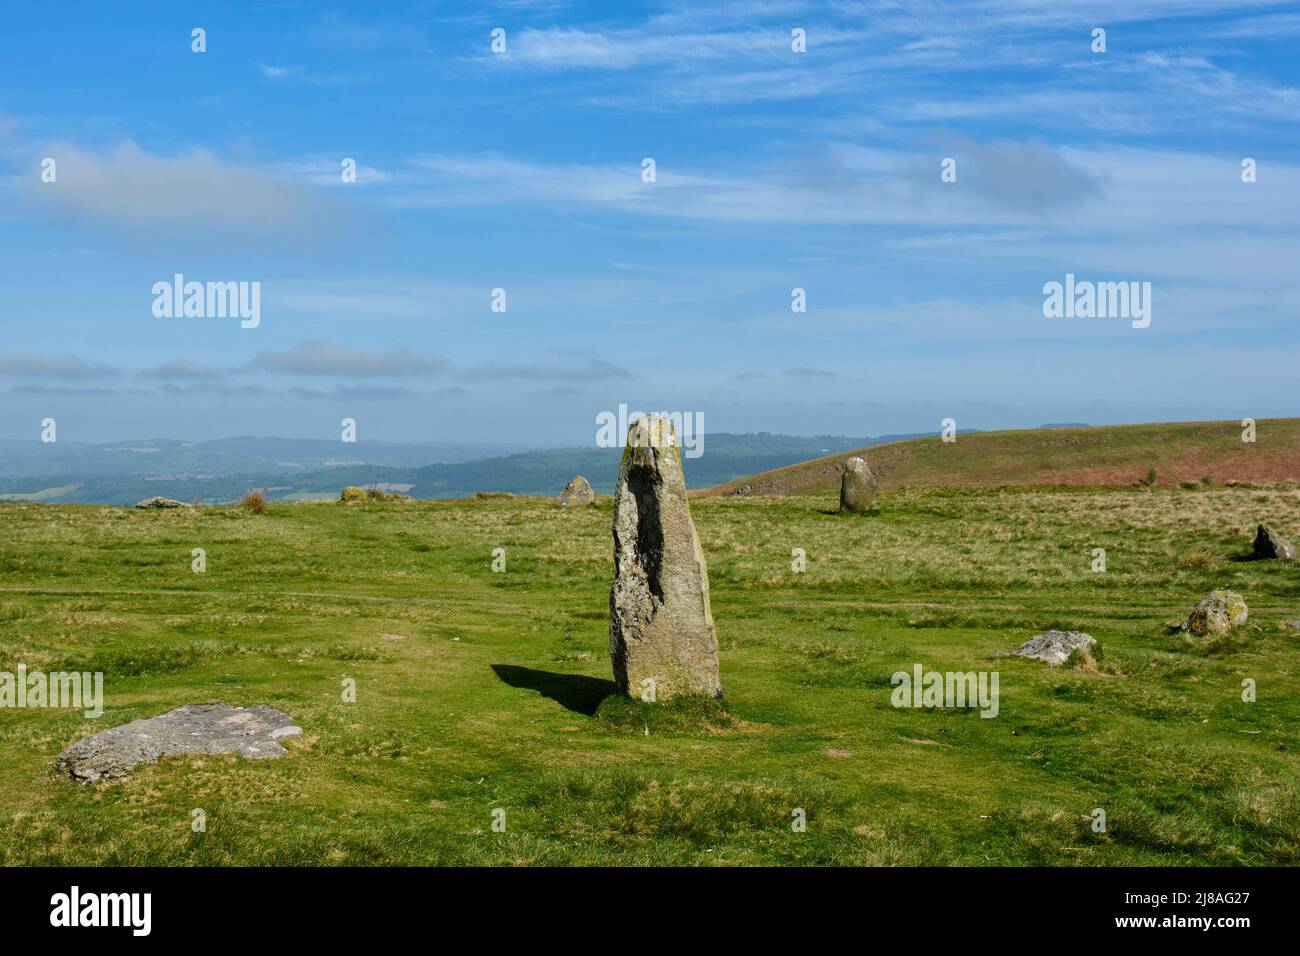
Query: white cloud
188 194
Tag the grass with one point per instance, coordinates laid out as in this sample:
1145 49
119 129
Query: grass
479 691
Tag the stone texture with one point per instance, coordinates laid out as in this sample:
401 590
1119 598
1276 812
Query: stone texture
576 492
660 622
857 486
352 495
1054 647
1270 544
193 729
1218 613
161 502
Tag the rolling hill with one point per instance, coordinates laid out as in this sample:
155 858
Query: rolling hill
1107 455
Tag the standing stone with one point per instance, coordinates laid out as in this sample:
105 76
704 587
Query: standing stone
1270 544
660 623
857 487
576 492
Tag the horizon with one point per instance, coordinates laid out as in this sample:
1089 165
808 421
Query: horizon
512 448
781 179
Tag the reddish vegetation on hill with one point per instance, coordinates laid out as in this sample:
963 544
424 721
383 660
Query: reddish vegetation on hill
1106 455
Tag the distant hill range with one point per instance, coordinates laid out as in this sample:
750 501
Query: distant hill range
122 473
1056 455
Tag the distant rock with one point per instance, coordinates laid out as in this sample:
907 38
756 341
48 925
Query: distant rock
1270 544
661 633
857 486
352 495
160 502
576 492
1219 612
253 732
1054 647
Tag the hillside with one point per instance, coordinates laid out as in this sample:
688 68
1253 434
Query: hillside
1107 455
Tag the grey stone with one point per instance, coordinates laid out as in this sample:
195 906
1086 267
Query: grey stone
1054 647
1291 625
576 492
1217 613
857 486
660 623
160 502
252 732
1270 544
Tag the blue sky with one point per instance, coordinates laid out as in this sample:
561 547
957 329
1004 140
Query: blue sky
523 171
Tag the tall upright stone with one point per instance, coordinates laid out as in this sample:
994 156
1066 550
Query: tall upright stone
661 635
857 486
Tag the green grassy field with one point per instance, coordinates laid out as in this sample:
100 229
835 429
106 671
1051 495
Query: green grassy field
479 690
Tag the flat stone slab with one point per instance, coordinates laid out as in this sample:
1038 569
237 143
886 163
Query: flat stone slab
253 732
1054 647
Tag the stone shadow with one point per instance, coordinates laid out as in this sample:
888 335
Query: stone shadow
576 692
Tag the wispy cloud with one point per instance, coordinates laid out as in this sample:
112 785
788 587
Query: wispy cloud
591 370
183 369
278 72
324 358
31 365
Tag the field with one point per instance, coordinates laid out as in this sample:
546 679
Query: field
479 691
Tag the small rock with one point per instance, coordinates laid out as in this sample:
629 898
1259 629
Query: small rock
837 752
1219 612
576 492
352 495
1291 625
161 502
253 732
857 486
1270 544
1054 647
